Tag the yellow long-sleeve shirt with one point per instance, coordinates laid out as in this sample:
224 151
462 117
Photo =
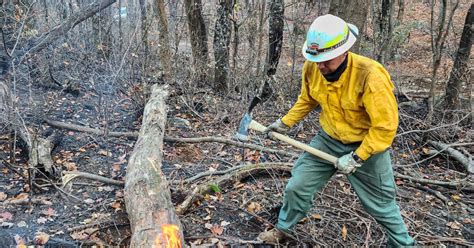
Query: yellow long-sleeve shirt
359 107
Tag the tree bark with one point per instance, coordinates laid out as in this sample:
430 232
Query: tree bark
221 44
153 220
275 37
144 29
460 72
198 36
164 40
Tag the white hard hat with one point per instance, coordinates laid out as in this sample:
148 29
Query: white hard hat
328 37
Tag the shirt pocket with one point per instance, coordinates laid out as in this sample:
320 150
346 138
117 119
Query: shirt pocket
355 114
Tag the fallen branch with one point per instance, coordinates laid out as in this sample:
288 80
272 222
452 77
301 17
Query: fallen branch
69 175
27 201
468 163
235 175
168 139
460 184
216 173
230 142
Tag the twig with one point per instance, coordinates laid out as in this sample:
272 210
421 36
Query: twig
234 239
462 185
93 177
27 201
434 128
192 110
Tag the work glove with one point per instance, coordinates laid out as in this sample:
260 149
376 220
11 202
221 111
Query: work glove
277 126
347 164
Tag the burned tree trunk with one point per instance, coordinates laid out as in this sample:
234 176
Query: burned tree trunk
460 71
275 39
221 44
198 36
152 217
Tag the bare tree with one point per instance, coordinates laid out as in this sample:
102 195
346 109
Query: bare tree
388 14
460 72
222 38
164 41
275 37
198 36
101 25
144 29
439 32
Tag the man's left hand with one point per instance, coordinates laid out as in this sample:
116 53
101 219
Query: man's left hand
347 164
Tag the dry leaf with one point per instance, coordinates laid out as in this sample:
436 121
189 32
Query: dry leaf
41 238
6 215
84 234
70 166
456 197
105 153
3 196
344 232
116 167
426 151
217 230
116 205
20 242
454 225
254 207
21 196
49 212
316 216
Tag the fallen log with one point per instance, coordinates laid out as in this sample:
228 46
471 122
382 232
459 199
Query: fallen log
153 220
466 162
231 177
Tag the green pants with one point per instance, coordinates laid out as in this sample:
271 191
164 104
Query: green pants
373 184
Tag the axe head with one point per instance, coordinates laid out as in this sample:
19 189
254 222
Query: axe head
243 131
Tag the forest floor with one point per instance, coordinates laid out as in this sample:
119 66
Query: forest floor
88 212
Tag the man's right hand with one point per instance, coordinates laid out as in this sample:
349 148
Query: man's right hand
277 126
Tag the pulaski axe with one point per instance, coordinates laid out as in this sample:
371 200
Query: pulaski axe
247 123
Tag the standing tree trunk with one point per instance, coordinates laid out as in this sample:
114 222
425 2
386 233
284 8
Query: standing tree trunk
164 40
385 22
153 220
198 35
144 29
439 32
275 38
221 44
352 11
101 25
460 72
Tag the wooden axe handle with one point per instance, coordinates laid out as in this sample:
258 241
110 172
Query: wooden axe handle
260 128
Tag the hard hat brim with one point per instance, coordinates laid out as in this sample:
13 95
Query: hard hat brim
325 56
